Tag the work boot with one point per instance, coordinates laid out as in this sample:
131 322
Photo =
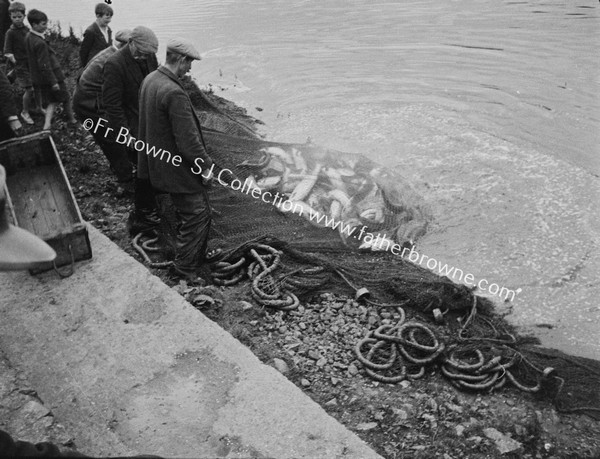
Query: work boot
143 221
191 277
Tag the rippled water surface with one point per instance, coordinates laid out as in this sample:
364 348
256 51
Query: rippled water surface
490 107
527 71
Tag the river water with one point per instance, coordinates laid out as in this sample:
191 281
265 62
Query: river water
490 108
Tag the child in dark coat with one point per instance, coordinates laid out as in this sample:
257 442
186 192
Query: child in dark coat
46 75
16 53
98 36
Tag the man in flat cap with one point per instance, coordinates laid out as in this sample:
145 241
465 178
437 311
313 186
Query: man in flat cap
168 121
124 72
87 103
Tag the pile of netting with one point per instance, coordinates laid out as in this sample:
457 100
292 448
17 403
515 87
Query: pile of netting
324 220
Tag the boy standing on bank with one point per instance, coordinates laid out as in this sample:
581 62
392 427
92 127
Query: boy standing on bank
16 52
46 75
97 36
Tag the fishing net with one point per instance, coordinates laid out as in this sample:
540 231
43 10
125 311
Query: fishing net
325 220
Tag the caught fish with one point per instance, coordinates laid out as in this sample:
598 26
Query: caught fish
335 210
372 215
376 243
335 179
257 163
346 172
288 185
318 200
341 197
279 153
251 181
303 189
275 166
299 162
372 206
268 183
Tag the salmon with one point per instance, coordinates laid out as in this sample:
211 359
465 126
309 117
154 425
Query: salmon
279 153
340 196
335 178
304 188
299 162
268 183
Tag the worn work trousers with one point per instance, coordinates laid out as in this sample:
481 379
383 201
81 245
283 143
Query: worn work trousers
193 225
120 159
117 156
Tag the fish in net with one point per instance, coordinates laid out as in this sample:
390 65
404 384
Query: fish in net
329 221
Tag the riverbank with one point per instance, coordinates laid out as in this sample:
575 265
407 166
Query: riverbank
423 418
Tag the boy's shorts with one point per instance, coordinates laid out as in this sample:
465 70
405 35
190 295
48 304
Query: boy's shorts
46 95
22 77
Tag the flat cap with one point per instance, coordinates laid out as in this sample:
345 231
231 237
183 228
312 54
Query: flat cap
144 39
183 47
123 35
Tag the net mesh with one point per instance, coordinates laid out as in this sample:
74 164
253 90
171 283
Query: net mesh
314 256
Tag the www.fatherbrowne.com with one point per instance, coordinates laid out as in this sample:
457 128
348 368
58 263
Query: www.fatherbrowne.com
374 242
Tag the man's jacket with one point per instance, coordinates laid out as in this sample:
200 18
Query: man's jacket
168 122
87 98
123 76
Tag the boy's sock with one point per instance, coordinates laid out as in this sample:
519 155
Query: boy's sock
48 116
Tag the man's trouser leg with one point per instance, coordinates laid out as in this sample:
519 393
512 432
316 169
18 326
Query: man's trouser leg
116 154
194 218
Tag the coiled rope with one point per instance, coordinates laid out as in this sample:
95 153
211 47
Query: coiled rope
147 246
397 352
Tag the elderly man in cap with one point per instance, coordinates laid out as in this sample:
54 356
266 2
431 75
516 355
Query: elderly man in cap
124 72
168 121
87 103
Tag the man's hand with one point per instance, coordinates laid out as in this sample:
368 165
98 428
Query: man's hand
11 58
15 125
206 181
55 87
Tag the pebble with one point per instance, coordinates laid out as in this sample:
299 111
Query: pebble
432 404
305 382
314 354
281 366
453 407
366 426
400 414
352 370
245 305
504 443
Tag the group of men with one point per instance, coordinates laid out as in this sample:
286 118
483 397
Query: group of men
124 85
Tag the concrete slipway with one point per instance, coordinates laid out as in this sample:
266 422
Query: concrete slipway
129 367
